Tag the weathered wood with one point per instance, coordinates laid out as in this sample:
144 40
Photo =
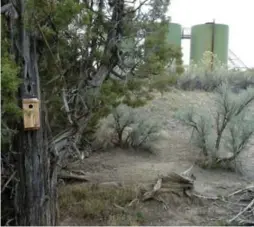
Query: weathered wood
35 194
71 177
172 183
31 112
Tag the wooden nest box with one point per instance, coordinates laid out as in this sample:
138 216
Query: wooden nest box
31 113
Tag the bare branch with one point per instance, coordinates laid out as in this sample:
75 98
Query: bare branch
8 181
143 3
241 212
241 190
66 106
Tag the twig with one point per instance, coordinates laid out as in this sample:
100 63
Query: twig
207 197
241 190
133 201
187 172
66 106
159 199
8 222
240 213
246 222
78 172
8 181
70 176
119 207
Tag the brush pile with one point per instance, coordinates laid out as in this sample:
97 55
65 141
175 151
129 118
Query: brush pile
172 188
243 201
172 183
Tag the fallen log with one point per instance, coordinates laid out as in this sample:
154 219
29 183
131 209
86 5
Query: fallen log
72 177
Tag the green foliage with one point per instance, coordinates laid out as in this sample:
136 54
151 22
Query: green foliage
62 13
159 54
158 10
55 25
133 93
114 92
163 82
65 60
9 87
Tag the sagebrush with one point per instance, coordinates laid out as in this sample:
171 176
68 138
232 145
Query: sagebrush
223 133
200 76
125 127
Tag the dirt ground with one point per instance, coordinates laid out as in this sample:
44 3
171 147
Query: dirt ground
176 154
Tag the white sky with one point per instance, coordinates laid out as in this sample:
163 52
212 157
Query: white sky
239 15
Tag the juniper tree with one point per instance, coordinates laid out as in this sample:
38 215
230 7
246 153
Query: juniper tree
76 50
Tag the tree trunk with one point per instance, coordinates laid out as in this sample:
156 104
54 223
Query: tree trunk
35 194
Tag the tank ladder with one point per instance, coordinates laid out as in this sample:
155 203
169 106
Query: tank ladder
234 61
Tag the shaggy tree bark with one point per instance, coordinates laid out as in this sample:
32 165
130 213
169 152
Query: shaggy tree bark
35 192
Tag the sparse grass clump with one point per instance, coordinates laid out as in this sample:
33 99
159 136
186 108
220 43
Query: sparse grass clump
224 133
128 128
99 204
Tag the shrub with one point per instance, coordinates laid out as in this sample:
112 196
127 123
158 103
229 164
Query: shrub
200 76
144 135
10 111
228 129
127 128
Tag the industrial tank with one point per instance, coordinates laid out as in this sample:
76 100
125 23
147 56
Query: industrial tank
209 37
175 34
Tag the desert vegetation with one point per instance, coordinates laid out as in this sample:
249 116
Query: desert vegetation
221 130
127 129
198 76
228 127
121 120
214 130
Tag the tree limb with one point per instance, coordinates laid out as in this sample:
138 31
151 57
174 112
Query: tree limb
240 213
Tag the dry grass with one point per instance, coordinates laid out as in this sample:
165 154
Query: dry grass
98 204
176 99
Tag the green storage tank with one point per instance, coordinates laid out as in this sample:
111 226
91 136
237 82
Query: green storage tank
209 37
175 34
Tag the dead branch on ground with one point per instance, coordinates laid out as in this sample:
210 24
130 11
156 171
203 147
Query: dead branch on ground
248 207
173 183
72 176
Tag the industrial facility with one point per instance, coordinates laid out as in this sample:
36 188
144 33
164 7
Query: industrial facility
210 37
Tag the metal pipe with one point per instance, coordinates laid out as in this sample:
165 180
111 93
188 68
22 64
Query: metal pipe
212 44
